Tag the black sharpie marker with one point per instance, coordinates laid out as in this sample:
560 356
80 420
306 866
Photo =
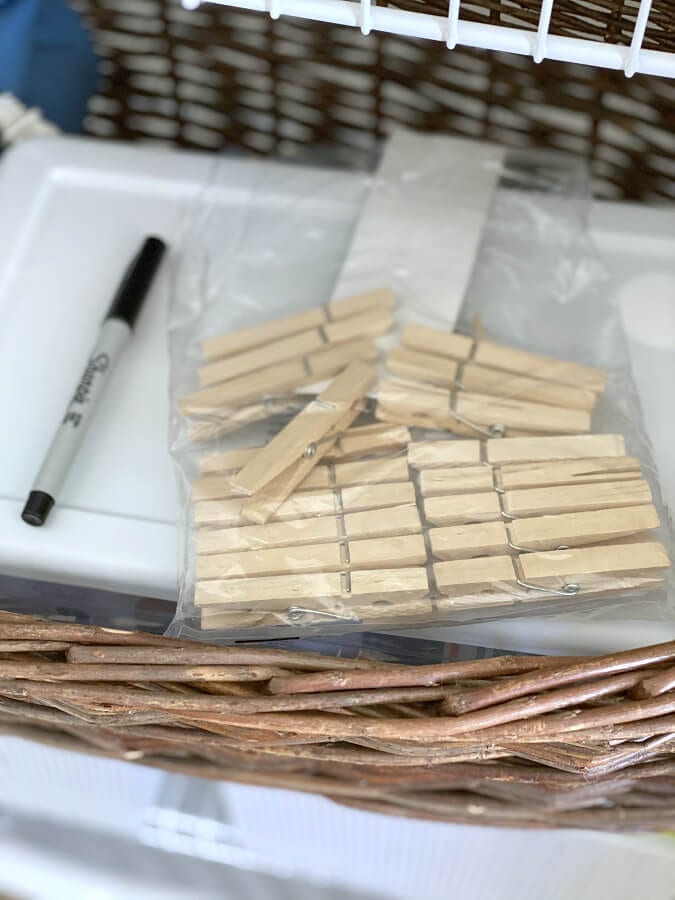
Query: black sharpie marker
112 339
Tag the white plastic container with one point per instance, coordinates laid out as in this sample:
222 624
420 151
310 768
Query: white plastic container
64 193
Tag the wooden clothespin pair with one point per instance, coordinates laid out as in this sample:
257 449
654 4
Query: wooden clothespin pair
499 521
477 387
562 515
245 367
374 440
275 471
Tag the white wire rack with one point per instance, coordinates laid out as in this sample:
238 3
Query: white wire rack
455 31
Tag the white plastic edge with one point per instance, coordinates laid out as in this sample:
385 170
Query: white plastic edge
539 45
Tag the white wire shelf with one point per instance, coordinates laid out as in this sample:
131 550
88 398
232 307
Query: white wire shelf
455 31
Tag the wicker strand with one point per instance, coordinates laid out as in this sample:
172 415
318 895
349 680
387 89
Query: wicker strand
530 683
570 743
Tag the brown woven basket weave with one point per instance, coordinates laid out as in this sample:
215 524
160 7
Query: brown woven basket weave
515 740
214 77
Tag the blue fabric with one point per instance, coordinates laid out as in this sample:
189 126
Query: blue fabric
46 59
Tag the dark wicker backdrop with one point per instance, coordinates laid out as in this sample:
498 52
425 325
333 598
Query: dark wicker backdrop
217 77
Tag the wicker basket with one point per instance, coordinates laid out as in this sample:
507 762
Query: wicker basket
515 740
215 77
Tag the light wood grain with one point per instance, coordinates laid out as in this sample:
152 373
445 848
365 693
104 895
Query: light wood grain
264 503
577 529
308 503
318 419
388 553
611 560
214 487
415 418
397 520
433 454
470 574
427 404
265 333
435 482
280 592
385 609
285 376
363 440
462 509
369 471
221 422
272 593
391 552
276 329
576 498
414 404
403 518
545 448
422 367
441 343
366 440
535 417
483 380
297 345
497 356
261 537
371 323
575 471
466 541
242 391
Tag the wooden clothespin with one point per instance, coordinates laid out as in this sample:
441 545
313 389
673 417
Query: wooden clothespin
348 593
461 350
355 442
383 598
266 334
468 385
223 401
332 556
306 504
371 323
462 412
244 367
324 477
336 524
274 473
565 573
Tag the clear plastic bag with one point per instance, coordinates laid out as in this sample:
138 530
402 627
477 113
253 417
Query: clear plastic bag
364 511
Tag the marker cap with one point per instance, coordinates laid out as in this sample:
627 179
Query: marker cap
37 507
136 283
